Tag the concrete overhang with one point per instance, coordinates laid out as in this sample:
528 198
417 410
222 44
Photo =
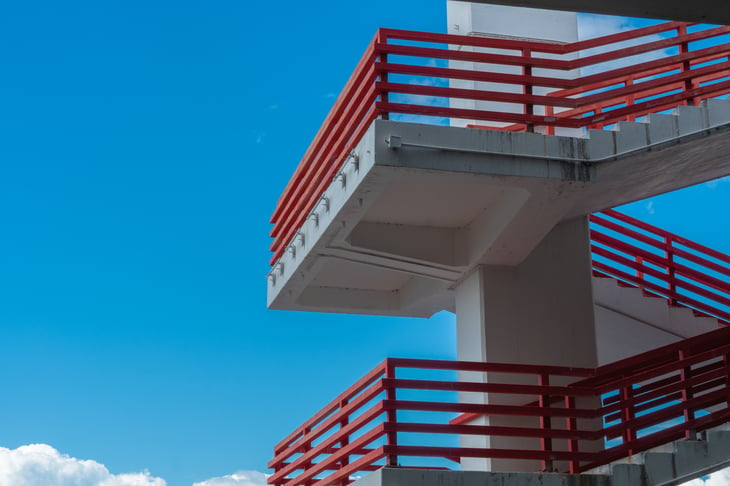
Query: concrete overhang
417 207
704 11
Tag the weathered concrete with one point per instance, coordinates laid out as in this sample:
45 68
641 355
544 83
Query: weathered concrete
418 207
507 23
519 315
673 464
705 11
629 322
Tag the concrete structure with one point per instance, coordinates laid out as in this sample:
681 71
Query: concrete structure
497 21
706 11
494 226
381 241
669 465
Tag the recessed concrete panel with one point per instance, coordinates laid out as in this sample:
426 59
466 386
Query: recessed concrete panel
352 275
433 201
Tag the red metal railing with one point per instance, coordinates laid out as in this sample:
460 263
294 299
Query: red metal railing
661 263
400 64
611 412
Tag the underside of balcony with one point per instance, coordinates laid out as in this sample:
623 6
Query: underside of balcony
416 207
391 208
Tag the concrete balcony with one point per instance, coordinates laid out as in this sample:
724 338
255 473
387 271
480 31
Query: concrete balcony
639 421
391 208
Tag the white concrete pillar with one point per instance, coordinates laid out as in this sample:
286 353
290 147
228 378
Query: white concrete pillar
484 20
539 312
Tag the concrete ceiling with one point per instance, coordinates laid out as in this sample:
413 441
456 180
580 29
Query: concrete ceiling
706 11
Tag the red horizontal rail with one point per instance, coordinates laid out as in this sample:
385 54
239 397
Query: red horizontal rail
634 398
400 63
365 383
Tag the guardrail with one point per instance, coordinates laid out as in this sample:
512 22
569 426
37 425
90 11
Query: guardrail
623 408
423 66
661 263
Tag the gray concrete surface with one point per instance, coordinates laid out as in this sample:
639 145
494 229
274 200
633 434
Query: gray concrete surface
706 11
671 465
418 207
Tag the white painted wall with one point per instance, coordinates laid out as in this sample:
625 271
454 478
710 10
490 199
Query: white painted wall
477 19
539 312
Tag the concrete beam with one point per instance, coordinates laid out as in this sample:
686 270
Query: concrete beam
705 11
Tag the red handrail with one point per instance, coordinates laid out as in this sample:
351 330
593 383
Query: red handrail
667 265
624 408
392 66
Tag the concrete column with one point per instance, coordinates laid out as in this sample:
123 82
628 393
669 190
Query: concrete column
483 20
539 312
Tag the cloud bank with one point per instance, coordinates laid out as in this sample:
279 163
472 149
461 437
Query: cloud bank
41 464
35 464
240 478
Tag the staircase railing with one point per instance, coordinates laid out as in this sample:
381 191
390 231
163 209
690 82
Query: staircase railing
391 418
661 263
418 74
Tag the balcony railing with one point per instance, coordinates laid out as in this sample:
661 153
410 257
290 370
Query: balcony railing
404 73
606 414
661 263
644 401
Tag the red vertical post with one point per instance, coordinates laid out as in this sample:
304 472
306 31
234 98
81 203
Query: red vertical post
546 443
726 363
686 65
571 425
528 108
627 415
687 393
343 443
550 112
383 39
391 415
639 270
306 448
630 98
671 274
598 111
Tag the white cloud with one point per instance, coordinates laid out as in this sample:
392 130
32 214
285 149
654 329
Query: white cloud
259 137
35 464
720 478
591 26
650 207
714 183
240 478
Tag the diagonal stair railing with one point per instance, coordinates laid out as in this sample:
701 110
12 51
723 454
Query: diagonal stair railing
662 264
605 414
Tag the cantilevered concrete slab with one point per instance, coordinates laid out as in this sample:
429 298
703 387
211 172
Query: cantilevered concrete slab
705 11
417 208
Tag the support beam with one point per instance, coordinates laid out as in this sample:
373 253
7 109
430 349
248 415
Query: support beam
539 312
705 11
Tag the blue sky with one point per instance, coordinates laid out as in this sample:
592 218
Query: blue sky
143 146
